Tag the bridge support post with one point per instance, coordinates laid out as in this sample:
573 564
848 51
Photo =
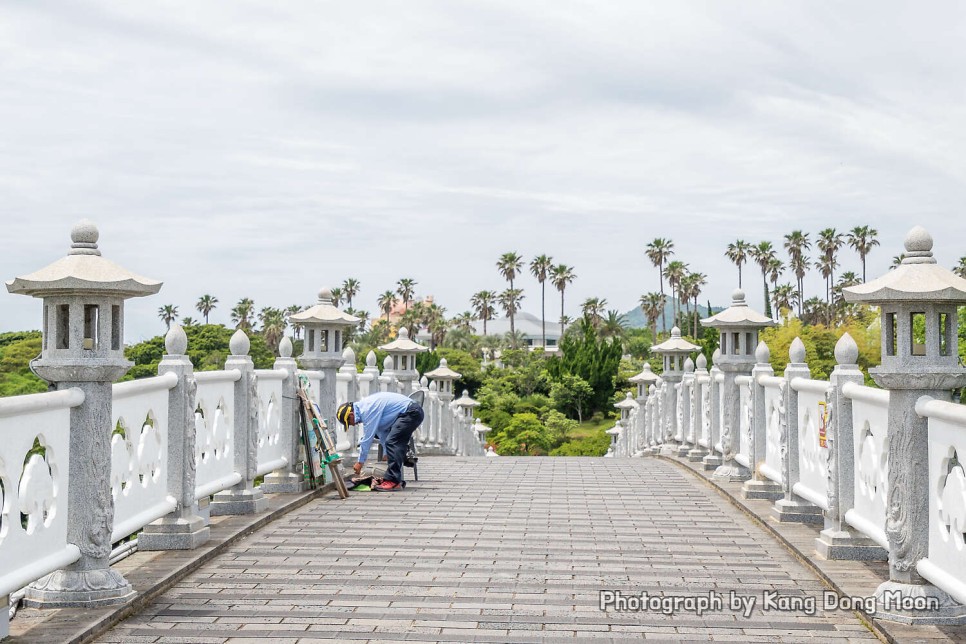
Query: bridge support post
760 486
243 497
839 540
792 508
183 529
713 459
698 411
290 479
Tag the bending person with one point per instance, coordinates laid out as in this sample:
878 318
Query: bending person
392 418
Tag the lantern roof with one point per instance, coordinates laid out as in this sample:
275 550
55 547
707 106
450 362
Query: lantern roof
675 344
739 314
627 403
465 400
918 278
646 376
84 271
402 344
325 312
443 372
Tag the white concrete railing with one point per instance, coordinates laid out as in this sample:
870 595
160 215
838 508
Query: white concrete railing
139 453
947 501
812 484
34 490
271 447
870 431
215 432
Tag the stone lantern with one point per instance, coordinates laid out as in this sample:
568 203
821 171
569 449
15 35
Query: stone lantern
739 326
627 406
481 430
643 382
466 405
674 351
325 327
83 348
918 301
614 433
403 352
444 377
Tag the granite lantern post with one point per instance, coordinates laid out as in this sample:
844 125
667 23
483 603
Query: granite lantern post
83 348
738 326
325 326
443 377
673 351
403 352
918 303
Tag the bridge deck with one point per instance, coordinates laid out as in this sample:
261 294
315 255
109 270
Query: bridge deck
497 550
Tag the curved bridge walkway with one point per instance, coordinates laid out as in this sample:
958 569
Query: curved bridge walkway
499 550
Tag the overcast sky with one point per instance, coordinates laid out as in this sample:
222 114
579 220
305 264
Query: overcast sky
263 150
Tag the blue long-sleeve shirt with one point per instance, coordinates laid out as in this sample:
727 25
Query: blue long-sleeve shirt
377 413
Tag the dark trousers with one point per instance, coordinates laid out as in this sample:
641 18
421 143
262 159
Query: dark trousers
397 439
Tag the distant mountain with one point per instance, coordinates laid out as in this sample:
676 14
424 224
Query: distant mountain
635 318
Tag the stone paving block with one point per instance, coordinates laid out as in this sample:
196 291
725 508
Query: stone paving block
509 562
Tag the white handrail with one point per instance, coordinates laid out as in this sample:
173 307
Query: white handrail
145 385
228 375
33 403
809 386
870 395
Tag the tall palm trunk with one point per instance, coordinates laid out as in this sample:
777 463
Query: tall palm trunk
660 274
561 316
543 313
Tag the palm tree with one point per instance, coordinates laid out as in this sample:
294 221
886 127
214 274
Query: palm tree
658 251
540 268
738 254
592 309
385 303
206 304
613 325
242 313
363 318
784 296
796 243
763 253
863 240
405 288
288 312
775 269
273 326
897 261
350 288
652 305
482 302
510 301
961 267
691 287
463 322
826 266
411 320
675 272
168 313
829 242
188 321
336 296
509 266
562 275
